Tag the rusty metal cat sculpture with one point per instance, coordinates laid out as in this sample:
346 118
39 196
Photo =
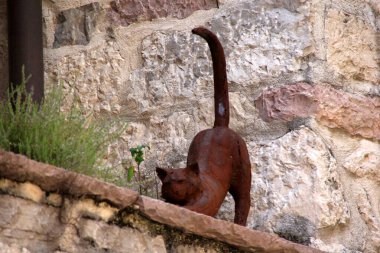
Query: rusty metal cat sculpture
218 159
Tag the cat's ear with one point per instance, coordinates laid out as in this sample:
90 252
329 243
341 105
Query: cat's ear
194 168
161 173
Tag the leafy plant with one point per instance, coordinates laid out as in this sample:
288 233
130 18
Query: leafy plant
138 156
44 133
143 180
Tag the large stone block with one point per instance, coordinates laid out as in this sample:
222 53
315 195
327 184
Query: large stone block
357 114
126 12
28 224
287 103
352 44
91 78
296 175
75 26
114 239
296 189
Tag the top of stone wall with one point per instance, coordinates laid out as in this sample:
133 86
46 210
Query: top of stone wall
52 179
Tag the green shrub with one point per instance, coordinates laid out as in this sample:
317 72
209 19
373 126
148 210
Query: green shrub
65 139
146 180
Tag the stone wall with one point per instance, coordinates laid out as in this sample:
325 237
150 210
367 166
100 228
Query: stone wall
304 82
48 209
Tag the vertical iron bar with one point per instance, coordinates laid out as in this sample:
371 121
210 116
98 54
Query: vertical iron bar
25 45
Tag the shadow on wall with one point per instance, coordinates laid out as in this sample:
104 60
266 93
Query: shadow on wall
3 48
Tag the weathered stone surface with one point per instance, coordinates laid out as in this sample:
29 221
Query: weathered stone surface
192 249
73 210
375 5
332 247
30 191
114 239
95 76
356 114
52 179
365 161
85 74
12 249
170 98
28 224
126 12
287 103
24 190
75 26
295 228
211 228
79 225
367 211
252 54
352 45
296 175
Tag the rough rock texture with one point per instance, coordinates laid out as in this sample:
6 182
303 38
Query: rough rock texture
367 212
84 68
113 239
356 234
358 115
13 248
126 12
41 228
287 103
222 230
27 224
296 175
75 26
295 228
365 161
29 220
141 64
54 179
175 91
167 69
357 37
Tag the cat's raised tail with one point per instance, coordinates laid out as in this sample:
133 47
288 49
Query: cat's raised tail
222 107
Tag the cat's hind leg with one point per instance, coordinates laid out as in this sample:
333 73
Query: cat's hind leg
240 187
242 200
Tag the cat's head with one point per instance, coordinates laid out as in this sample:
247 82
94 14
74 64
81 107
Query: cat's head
179 185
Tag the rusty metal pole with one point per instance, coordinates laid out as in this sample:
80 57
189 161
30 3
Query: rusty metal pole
25 45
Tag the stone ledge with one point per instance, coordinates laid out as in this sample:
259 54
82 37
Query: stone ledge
52 179
242 237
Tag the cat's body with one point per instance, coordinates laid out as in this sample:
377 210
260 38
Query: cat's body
218 160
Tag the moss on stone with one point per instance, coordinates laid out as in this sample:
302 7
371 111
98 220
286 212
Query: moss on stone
173 237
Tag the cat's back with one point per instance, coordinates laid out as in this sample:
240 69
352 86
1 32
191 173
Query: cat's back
217 146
